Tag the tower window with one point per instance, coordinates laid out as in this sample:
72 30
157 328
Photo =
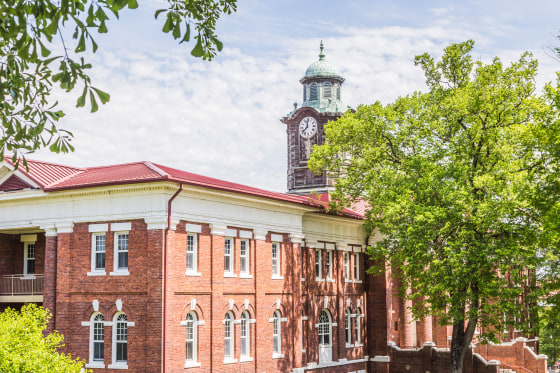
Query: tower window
313 91
304 93
327 89
337 91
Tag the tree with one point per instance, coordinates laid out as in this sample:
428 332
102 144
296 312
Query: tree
24 347
451 177
549 333
31 29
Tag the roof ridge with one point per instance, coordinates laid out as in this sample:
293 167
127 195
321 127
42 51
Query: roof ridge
152 166
116 165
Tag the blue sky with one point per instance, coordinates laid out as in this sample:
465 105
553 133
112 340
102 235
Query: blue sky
221 118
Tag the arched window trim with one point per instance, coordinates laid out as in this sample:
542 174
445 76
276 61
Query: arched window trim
96 318
277 321
115 324
196 323
245 334
229 338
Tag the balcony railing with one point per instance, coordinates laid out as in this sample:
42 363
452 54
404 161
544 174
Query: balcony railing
12 285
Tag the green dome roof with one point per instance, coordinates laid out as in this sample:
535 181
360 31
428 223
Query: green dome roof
321 68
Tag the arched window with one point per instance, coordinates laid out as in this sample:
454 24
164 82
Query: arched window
97 340
358 326
245 335
191 337
313 91
120 339
348 326
276 333
327 89
304 93
325 337
337 91
228 336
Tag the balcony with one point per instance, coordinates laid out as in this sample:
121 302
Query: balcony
21 288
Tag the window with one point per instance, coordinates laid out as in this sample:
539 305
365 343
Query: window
324 329
313 91
329 264
304 93
190 341
228 256
245 335
98 252
121 254
29 263
192 248
356 267
347 266
97 338
318 265
120 339
275 259
358 326
348 326
228 336
327 89
337 92
276 334
244 257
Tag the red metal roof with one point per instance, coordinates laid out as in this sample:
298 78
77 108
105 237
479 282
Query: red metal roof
53 177
14 183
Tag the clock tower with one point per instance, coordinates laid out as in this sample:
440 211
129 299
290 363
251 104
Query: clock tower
305 125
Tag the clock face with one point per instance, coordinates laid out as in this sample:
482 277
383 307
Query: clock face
307 127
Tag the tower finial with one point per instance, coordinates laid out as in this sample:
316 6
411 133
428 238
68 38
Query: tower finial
321 55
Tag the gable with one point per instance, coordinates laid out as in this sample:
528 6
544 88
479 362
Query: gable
14 183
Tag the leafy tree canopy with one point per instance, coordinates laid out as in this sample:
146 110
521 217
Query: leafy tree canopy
30 30
24 348
454 178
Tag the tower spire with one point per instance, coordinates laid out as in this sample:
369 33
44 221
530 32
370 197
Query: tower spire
321 54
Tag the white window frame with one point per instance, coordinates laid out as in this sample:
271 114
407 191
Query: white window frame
229 336
229 254
245 336
244 258
276 261
348 327
358 328
116 270
123 364
329 265
193 237
357 267
195 324
26 251
318 265
92 323
277 321
94 270
347 274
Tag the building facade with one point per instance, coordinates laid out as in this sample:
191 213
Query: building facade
147 268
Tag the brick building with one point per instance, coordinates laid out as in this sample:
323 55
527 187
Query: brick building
152 269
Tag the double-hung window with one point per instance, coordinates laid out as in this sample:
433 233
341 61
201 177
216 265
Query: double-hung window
245 335
318 265
348 326
98 253
356 267
190 342
120 258
347 266
121 339
244 257
276 334
329 264
275 259
29 264
228 256
98 338
192 251
228 337
358 326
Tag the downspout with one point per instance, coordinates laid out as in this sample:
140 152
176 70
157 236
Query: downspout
165 244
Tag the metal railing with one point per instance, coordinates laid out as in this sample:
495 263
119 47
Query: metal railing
11 285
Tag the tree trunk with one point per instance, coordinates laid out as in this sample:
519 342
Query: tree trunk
460 342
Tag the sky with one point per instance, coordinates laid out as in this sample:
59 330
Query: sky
222 118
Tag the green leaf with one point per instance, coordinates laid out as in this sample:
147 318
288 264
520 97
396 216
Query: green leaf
197 50
103 96
81 44
102 28
132 4
176 31
93 102
167 25
187 35
82 99
159 11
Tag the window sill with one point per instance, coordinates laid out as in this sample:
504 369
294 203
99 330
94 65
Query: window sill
277 277
119 273
191 364
348 345
245 275
230 360
302 279
319 279
348 281
230 275
359 345
331 280
193 274
277 356
96 365
357 281
118 366
244 359
96 273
